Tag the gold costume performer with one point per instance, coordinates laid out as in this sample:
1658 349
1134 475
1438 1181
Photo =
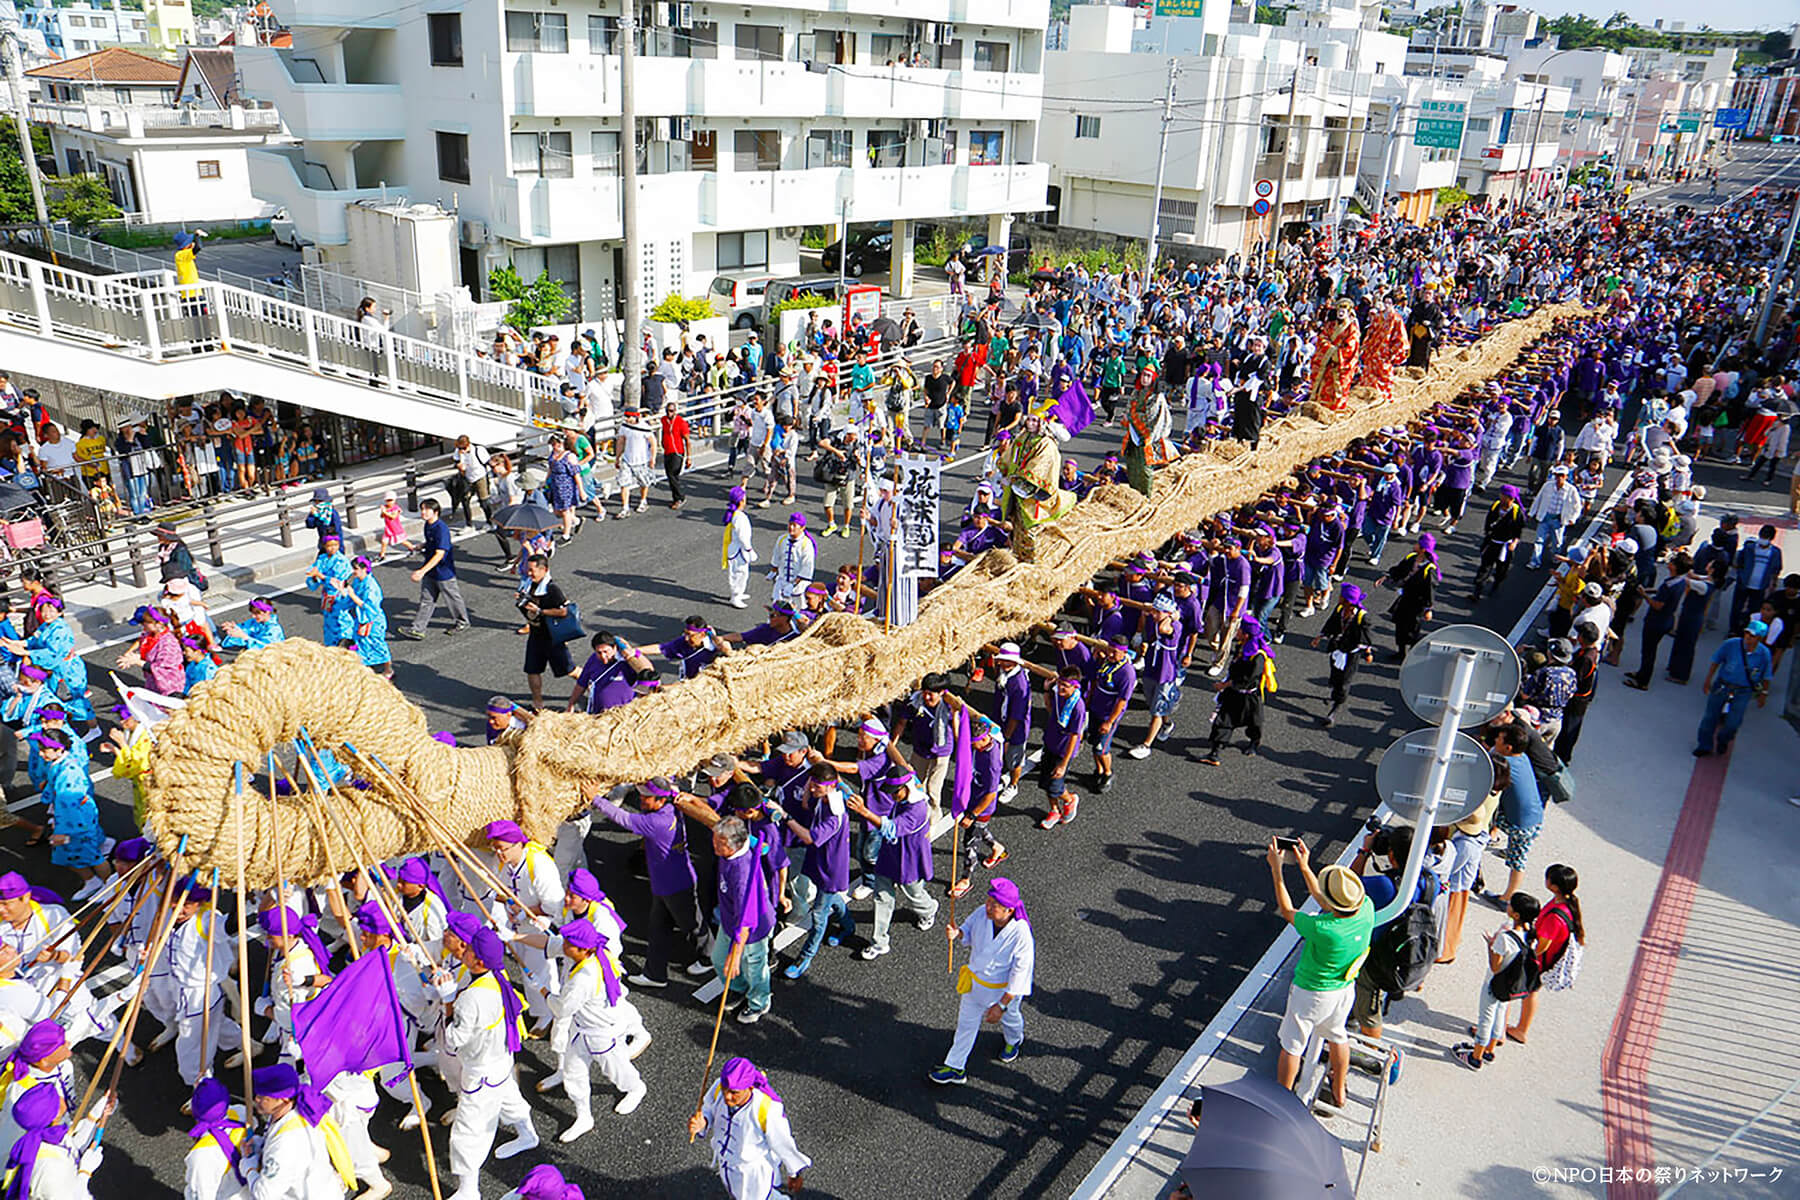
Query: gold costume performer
1147 421
1031 464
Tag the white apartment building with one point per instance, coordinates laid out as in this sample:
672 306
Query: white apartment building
1674 97
1398 176
168 149
1513 142
752 122
82 28
1599 99
1231 129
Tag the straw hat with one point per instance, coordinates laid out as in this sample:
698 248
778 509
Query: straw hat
1342 889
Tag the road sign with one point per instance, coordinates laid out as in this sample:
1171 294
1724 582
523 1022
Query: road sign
1440 124
1732 118
1402 774
1178 8
1261 208
1265 188
1425 675
1438 134
1491 152
1688 122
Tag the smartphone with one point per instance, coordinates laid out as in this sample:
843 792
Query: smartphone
1287 845
1374 825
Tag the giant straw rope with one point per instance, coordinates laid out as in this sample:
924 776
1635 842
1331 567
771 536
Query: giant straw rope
842 666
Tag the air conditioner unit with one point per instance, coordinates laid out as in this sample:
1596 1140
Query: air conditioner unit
684 16
664 130
788 231
681 129
931 32
1184 239
934 127
946 34
474 233
664 15
916 129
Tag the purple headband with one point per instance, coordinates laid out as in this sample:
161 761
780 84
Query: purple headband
261 605
13 885
740 1073
131 849
1352 594
505 831
211 1107
33 671
417 871
444 736
1004 891
583 884
490 951
372 920
464 925
278 920
542 1182
35 1112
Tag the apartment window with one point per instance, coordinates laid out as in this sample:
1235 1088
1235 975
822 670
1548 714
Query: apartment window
551 155
985 147
828 148
77 20
603 35
1087 127
543 33
699 40
888 49
992 56
603 151
949 55
887 148
561 263
1478 124
941 151
703 150
745 251
1274 138
208 168
756 150
758 43
1176 216
445 30
834 46
453 157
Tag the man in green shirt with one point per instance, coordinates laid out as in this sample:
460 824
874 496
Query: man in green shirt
1333 944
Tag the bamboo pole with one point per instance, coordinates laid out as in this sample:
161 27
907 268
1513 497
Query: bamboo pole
74 920
91 965
955 856
212 942
127 1026
737 947
243 946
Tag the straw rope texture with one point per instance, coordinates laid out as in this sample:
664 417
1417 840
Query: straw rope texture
842 666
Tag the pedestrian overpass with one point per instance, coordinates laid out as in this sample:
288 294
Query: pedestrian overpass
142 335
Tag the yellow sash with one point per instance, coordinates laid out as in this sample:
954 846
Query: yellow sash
967 979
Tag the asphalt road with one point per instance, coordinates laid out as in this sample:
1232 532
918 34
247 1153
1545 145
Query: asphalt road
1147 911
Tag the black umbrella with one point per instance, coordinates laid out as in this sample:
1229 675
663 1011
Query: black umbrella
527 518
1257 1141
887 329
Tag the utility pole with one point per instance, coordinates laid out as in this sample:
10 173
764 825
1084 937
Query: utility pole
1522 192
1778 275
1287 142
1352 143
1396 125
631 345
15 77
1618 172
1162 164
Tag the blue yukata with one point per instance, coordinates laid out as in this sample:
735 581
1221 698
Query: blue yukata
52 647
9 662
196 673
257 633
371 647
70 796
339 612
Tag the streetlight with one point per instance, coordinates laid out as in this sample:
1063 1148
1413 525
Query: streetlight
1538 124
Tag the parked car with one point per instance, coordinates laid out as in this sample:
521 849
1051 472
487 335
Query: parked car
739 297
869 251
282 227
786 289
1018 251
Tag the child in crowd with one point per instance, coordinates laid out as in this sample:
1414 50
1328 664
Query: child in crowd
1505 981
393 528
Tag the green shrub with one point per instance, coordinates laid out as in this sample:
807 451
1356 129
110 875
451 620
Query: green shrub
815 237
676 308
800 302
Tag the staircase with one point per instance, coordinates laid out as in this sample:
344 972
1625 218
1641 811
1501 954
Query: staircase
141 335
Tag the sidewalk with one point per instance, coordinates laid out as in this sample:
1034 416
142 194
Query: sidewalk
1667 1046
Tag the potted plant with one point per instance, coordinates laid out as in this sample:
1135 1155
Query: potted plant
681 316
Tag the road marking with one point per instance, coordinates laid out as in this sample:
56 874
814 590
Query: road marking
1625 1065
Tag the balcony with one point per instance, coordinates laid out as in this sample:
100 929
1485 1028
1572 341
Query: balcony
134 120
757 89
753 199
281 175
923 93
567 85
1018 187
348 14
1012 14
333 112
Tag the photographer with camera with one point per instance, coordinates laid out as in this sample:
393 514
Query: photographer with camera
1333 944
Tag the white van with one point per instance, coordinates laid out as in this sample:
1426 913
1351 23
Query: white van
740 297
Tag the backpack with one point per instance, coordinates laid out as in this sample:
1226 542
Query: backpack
1401 955
1520 977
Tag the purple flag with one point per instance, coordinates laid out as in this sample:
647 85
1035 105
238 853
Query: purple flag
965 766
355 1023
1073 410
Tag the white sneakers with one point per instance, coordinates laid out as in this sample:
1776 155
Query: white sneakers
584 1123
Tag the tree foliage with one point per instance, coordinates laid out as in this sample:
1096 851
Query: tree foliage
81 200
540 302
